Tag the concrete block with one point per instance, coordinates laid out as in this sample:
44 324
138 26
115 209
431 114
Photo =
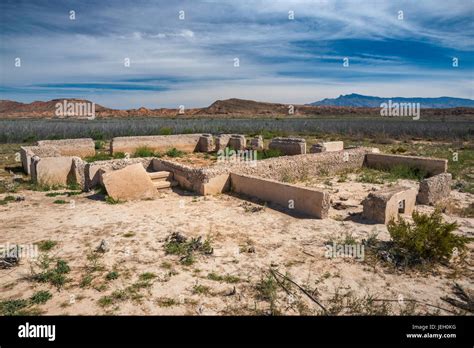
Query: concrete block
222 141
384 205
206 143
237 142
256 143
434 189
289 146
52 170
27 152
329 146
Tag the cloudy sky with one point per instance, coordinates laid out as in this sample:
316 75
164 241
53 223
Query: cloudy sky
191 61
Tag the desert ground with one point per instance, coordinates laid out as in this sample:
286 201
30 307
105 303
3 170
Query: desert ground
263 260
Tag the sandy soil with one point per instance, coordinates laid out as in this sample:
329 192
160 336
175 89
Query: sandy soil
246 245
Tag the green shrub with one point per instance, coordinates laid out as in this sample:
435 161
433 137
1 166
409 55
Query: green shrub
144 151
99 144
110 200
174 153
118 155
60 201
176 244
46 245
41 297
98 157
112 275
427 240
55 276
13 307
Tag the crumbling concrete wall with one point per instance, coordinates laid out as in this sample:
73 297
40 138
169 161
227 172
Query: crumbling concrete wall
434 189
300 199
93 171
299 167
431 166
129 183
289 146
157 143
327 147
384 205
83 147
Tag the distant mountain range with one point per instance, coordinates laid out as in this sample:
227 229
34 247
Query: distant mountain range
365 101
352 105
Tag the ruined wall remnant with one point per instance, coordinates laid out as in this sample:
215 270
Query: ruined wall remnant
434 189
384 205
327 147
83 147
431 166
302 199
157 143
289 146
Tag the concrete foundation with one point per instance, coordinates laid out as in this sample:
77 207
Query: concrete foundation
83 147
327 147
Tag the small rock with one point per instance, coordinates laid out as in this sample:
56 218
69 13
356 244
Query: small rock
103 247
251 249
343 198
230 292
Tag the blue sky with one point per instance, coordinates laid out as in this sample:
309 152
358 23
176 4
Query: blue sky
190 62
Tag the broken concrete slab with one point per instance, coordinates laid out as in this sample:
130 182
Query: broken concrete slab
222 141
384 205
434 189
129 183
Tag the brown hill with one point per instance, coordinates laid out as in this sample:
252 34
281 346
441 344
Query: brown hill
220 109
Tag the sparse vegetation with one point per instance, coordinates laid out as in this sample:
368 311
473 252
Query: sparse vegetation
46 245
110 200
55 275
41 297
174 153
177 244
226 278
